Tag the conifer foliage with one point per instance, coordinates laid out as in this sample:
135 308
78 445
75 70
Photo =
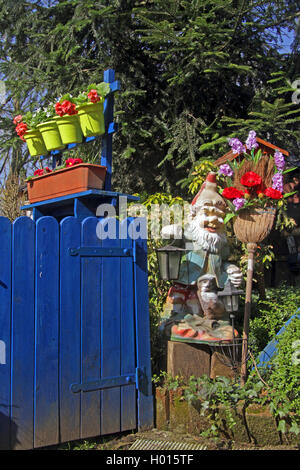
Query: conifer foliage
193 73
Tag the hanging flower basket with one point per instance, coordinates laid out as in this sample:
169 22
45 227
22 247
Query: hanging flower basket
253 225
91 119
70 180
51 135
35 143
69 129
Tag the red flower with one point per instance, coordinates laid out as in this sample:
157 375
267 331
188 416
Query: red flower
73 161
250 179
68 107
21 128
58 109
17 119
273 193
232 193
93 96
38 172
42 171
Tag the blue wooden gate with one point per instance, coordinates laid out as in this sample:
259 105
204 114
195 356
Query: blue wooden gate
74 331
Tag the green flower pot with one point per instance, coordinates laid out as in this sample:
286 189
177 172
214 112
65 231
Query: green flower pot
51 135
35 143
91 119
69 129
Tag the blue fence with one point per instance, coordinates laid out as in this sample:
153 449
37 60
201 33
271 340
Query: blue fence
74 331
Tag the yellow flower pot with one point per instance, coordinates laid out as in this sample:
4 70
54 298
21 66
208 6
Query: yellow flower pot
35 143
91 119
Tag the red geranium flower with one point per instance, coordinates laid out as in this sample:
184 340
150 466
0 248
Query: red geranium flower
42 171
58 109
73 161
68 107
17 119
93 96
38 172
273 193
232 193
21 128
250 179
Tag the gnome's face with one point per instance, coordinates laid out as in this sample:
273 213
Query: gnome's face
210 217
206 227
210 211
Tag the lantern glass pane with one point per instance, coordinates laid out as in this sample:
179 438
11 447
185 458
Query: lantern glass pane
174 264
228 303
163 265
235 303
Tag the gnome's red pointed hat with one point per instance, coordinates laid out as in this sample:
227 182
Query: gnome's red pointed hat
208 194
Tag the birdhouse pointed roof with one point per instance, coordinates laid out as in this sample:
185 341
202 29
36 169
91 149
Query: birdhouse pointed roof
263 145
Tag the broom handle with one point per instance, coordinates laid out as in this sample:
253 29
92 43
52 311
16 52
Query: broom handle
251 247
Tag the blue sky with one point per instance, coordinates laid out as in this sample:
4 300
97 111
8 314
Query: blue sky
287 40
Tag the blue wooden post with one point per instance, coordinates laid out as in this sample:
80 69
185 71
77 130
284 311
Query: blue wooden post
106 155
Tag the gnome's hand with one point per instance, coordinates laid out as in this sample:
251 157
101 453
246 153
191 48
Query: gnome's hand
234 275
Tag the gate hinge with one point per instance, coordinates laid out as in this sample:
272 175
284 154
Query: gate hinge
101 384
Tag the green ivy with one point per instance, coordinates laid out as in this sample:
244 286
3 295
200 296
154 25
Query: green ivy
269 315
284 379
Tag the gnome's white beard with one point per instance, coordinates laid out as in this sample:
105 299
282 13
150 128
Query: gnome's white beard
202 238
210 241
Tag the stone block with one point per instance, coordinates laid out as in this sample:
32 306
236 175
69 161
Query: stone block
221 366
186 359
162 415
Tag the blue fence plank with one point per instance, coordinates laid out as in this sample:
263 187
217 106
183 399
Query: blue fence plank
70 341
145 399
128 393
90 329
6 426
22 385
110 334
46 425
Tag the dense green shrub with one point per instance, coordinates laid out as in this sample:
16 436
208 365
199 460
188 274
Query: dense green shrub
283 378
269 315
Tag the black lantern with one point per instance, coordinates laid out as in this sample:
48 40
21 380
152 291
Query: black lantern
169 259
230 297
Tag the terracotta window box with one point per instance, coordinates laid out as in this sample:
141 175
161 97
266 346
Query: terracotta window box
74 179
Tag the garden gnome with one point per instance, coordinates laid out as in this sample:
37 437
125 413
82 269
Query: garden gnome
193 311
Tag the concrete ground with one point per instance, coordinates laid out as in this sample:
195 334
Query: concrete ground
126 440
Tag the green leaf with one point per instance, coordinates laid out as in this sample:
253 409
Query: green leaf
289 194
281 426
289 169
228 217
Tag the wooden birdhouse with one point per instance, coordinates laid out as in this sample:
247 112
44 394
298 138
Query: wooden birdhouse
264 167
